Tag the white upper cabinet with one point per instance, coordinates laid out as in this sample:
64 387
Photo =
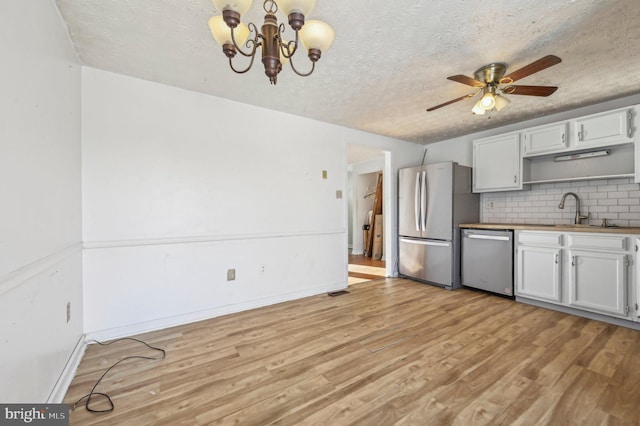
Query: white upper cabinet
545 139
609 128
500 165
497 163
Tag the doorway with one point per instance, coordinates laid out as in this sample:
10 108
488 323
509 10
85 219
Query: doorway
366 206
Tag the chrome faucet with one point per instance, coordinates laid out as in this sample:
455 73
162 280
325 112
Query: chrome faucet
579 216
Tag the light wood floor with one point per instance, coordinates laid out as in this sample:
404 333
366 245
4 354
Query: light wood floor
391 352
362 269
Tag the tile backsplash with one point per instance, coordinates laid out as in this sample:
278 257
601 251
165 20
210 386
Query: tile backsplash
617 200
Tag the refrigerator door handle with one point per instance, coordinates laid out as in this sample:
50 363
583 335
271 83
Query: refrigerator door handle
423 202
416 203
426 243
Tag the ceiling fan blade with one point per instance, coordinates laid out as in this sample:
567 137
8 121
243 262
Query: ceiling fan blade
453 101
532 68
529 90
466 80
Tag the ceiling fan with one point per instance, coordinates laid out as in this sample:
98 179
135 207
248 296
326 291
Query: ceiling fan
491 79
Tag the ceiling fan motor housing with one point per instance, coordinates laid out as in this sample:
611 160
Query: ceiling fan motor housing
491 74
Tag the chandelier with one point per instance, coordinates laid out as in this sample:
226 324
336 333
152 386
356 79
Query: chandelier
233 35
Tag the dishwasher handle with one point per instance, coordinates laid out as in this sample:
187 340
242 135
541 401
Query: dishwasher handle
487 237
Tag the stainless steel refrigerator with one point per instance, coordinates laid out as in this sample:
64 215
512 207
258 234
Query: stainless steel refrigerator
432 201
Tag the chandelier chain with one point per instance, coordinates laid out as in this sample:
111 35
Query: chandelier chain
272 8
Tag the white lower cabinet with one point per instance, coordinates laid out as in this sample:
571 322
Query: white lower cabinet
582 271
636 287
539 273
598 282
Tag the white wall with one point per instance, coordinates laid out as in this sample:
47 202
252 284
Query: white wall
40 230
178 187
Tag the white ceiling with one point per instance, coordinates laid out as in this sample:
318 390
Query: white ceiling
389 61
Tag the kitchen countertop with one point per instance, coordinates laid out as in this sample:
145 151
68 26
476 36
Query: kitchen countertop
558 228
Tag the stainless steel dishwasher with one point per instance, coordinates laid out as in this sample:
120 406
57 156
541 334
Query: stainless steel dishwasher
487 260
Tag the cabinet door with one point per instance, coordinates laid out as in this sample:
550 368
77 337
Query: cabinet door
497 163
608 128
539 273
545 139
636 289
598 282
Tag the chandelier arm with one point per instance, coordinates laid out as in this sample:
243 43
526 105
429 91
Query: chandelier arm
313 67
244 70
285 48
251 43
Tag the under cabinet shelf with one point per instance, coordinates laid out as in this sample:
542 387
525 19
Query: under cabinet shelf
619 163
572 179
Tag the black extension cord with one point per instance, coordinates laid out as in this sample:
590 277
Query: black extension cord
93 392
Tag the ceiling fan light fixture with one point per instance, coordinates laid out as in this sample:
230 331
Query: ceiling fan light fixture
501 102
488 101
491 79
478 109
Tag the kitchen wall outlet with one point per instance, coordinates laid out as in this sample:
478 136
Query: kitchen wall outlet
489 204
339 194
262 268
324 174
68 311
231 274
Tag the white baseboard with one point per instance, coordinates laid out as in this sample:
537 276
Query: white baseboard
68 373
173 321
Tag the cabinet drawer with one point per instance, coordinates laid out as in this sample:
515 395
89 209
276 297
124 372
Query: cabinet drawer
540 239
600 242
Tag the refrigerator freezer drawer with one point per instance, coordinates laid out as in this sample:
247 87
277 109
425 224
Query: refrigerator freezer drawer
426 260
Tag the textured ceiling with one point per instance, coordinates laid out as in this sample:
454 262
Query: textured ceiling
389 61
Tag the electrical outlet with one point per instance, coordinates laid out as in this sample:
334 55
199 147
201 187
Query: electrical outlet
338 194
68 311
262 268
490 204
231 274
324 174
